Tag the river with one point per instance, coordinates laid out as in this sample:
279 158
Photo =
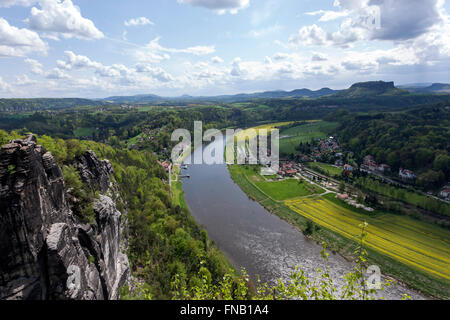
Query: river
250 236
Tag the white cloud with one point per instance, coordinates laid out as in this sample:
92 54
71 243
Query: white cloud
118 72
74 62
57 74
154 52
19 42
265 31
317 56
24 80
236 70
10 3
36 66
309 35
141 21
396 20
4 87
197 50
62 17
220 6
155 72
217 59
328 15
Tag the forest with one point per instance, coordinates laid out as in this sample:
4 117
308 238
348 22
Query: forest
416 139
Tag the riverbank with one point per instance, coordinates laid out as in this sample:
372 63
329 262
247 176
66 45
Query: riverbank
417 280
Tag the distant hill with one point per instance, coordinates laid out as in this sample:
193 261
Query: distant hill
280 94
371 88
141 98
22 105
433 88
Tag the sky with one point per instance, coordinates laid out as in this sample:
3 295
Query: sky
101 48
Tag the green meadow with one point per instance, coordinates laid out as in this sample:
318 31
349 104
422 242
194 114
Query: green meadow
291 138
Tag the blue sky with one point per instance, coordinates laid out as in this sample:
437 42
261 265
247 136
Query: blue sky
85 48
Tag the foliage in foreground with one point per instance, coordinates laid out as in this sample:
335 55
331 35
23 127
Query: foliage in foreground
299 287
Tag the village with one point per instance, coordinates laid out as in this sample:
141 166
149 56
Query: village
329 148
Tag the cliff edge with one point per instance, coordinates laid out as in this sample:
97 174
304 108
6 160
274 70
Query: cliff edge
47 252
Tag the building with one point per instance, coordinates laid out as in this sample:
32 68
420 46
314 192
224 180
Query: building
445 193
165 165
290 172
384 168
406 175
348 168
342 196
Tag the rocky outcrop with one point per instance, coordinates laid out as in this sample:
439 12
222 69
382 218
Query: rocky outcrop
47 253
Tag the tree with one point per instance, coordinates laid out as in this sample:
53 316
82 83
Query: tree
431 179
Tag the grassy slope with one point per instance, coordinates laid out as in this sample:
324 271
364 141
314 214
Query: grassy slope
421 281
279 190
304 133
328 168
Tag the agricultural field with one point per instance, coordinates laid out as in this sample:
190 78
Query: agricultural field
417 244
252 132
287 189
329 169
291 138
278 190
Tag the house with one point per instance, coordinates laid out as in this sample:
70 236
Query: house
445 193
384 168
290 172
165 165
406 175
342 196
348 168
370 164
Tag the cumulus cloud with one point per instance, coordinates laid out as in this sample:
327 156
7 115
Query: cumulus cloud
216 59
62 17
117 72
396 20
405 19
57 74
328 15
154 52
220 6
74 61
141 21
4 87
10 3
317 56
155 72
35 66
309 35
24 80
15 42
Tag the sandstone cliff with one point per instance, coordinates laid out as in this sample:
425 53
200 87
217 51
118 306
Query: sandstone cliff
46 251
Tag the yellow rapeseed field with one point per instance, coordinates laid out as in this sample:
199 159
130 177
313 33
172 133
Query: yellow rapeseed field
419 245
252 132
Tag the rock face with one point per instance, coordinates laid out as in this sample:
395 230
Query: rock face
46 252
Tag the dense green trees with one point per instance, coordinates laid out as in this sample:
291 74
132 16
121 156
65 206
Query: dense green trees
164 239
416 140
